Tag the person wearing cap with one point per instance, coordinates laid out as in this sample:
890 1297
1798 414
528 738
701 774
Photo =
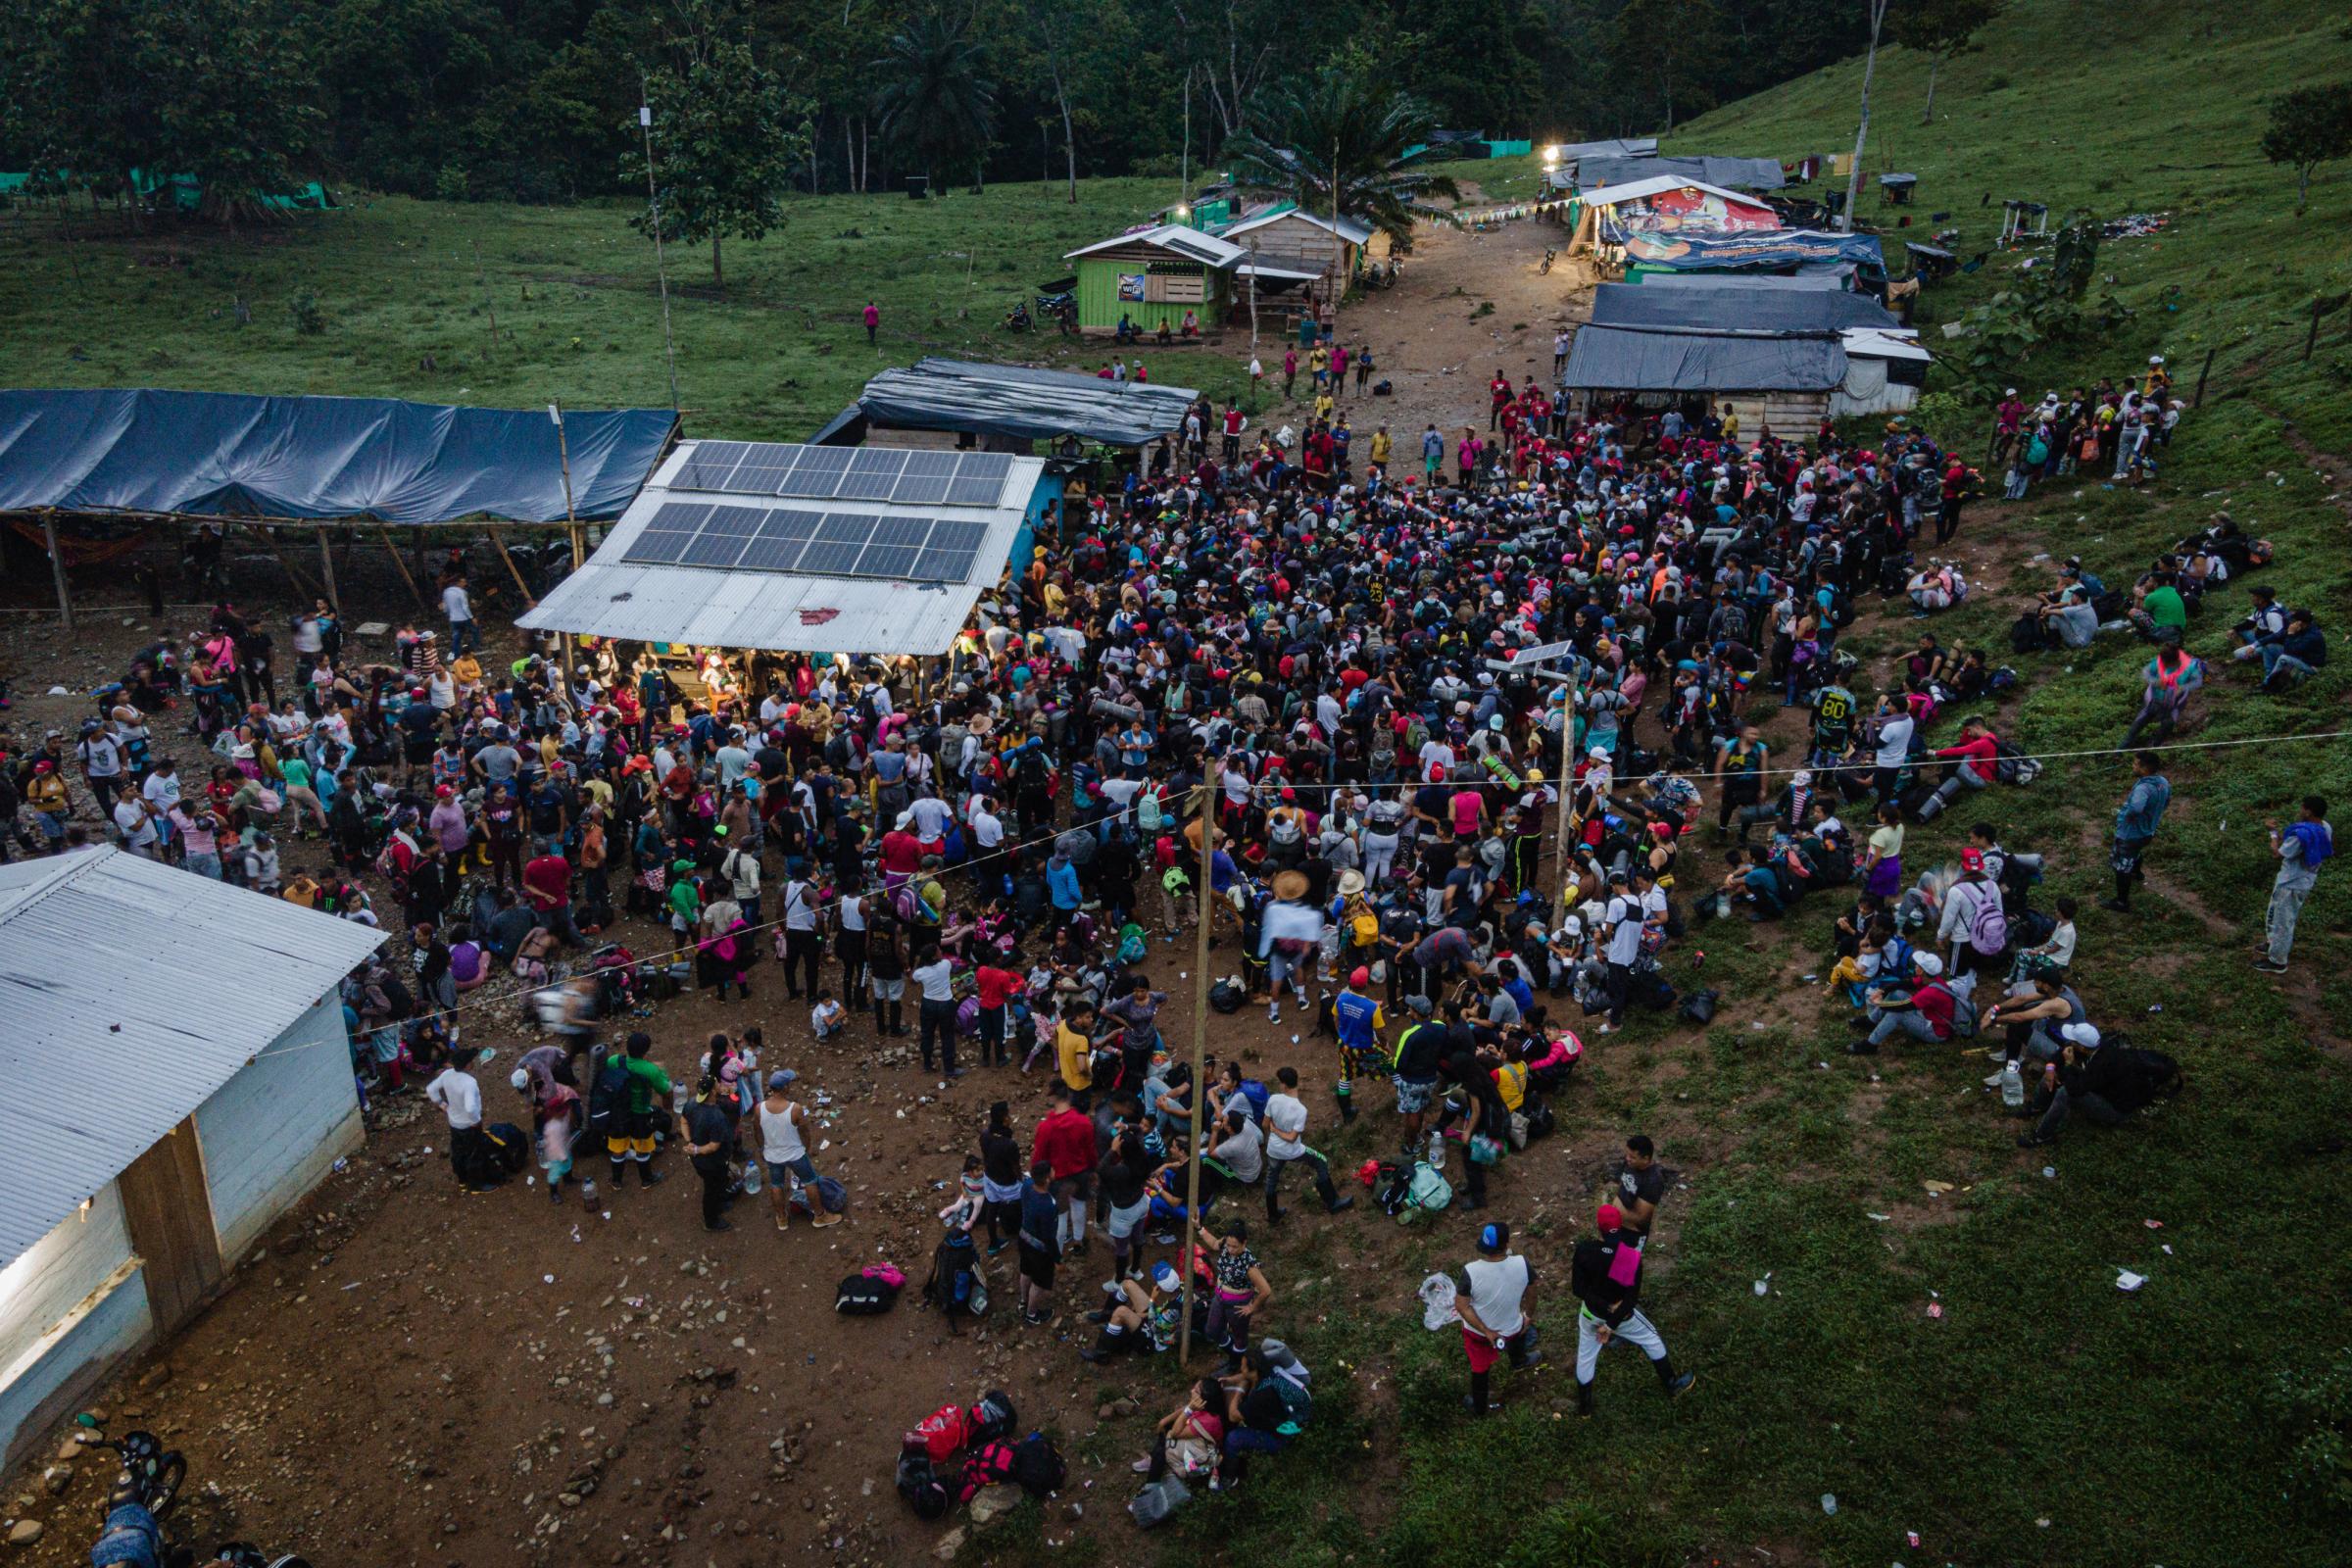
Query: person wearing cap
1972 927
784 1126
1139 1316
2084 1077
1604 1272
1491 1296
2035 1019
1414 1065
1356 1019
1926 1012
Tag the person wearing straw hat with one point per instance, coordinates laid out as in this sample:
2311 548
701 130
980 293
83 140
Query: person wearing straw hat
1290 933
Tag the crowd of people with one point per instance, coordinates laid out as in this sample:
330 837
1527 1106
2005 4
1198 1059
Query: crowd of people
1337 706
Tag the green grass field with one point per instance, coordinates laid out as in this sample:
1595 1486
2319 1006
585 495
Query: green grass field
407 291
2045 1418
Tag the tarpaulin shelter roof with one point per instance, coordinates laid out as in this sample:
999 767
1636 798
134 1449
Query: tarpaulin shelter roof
1022 403
1737 310
1642 359
1769 250
1748 173
218 453
132 991
1635 190
635 589
1805 280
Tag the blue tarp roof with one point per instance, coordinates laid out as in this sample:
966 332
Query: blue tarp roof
1732 310
1639 359
215 454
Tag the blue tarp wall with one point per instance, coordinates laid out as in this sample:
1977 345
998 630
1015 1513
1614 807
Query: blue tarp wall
225 455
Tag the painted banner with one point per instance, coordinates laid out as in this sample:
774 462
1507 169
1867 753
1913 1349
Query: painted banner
1788 247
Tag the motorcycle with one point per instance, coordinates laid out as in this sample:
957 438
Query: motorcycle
1548 254
144 1491
1018 319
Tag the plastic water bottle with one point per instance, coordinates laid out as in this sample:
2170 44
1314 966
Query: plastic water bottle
2013 1087
1436 1151
1829 1502
753 1177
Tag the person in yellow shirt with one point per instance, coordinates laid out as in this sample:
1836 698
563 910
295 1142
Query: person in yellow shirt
466 671
1323 404
1731 425
1074 1045
1319 366
1381 447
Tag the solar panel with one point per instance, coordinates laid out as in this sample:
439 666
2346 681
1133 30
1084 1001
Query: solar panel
666 537
840 539
724 534
908 531
818 473
926 481
873 474
779 543
706 467
979 479
890 562
762 470
949 552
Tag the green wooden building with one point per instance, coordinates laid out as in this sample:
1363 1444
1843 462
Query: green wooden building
1153 275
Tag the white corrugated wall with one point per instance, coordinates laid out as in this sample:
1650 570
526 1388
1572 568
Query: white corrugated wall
273 1132
71 1305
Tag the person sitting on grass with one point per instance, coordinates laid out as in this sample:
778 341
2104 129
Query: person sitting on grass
1138 1317
1925 1014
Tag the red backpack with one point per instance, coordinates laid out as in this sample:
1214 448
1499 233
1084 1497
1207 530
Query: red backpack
942 1431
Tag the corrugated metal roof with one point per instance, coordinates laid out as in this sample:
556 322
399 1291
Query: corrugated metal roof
780 611
1347 228
1189 243
132 990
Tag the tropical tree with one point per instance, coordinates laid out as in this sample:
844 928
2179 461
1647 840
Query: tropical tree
1340 138
2309 127
725 137
1941 29
936 101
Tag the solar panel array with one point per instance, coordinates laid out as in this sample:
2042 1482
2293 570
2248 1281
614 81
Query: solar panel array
817 544
847 474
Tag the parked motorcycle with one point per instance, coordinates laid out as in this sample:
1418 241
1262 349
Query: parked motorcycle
1548 254
1018 319
144 1491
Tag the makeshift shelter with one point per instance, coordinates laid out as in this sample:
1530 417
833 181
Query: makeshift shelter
1292 242
809 549
1008 408
1739 173
1787 250
1825 280
1612 215
1152 276
1777 381
150 456
1884 371
177 1076
1738 310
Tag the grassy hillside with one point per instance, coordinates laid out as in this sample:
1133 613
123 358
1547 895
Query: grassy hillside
2044 1417
406 292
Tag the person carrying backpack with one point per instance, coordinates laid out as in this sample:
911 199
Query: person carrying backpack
2303 845
1974 927
2088 1077
1604 1272
627 1091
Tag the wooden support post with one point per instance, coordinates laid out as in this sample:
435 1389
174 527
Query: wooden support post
498 539
326 568
57 569
2311 339
405 575
2199 401
1204 911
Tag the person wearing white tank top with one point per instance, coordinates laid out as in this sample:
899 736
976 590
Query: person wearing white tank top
784 1148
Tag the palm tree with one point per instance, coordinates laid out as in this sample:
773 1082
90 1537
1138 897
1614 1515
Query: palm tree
936 101
1343 132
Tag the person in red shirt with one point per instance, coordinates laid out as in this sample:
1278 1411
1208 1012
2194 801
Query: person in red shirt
547 883
1976 764
901 854
996 987
1065 1145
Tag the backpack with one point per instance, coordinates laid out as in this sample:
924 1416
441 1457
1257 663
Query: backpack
1255 1091
994 1415
1364 927
862 1295
1964 1016
1988 927
1296 1404
1226 997
1039 1467
2146 1076
608 1097
985 1466
2025 634
1420 1190
1148 816
920 1485
2013 766
1156 1502
507 1149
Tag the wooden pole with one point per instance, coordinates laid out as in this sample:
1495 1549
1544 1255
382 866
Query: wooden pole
406 577
521 587
326 568
1205 913
57 569
2201 375
571 521
1566 780
2311 339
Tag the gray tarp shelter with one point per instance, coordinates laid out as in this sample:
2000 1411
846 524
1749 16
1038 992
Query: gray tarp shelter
1019 403
1729 309
1642 359
1738 174
225 455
